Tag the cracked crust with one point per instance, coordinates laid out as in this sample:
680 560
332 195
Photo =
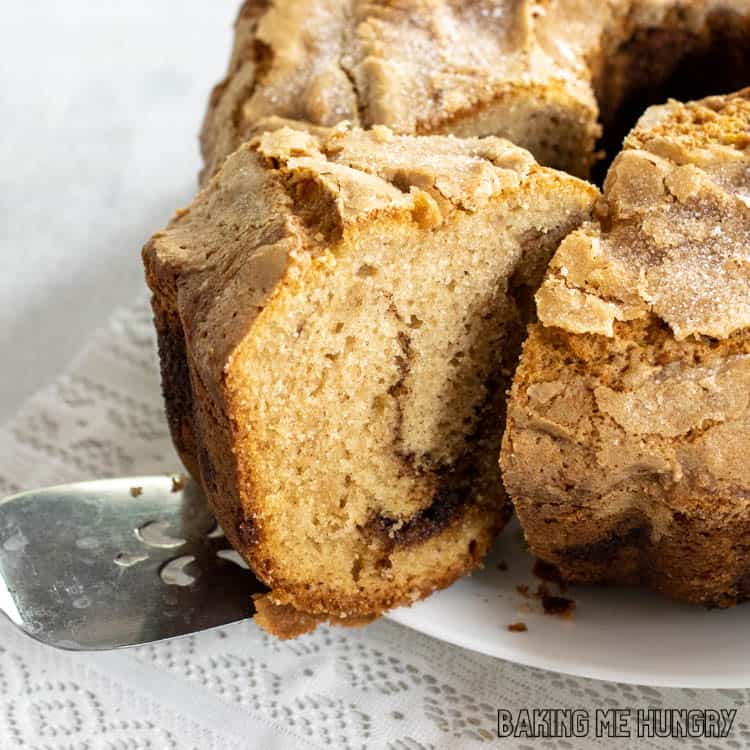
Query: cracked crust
338 318
537 73
625 452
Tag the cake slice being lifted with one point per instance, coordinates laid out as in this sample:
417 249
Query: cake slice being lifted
339 314
628 440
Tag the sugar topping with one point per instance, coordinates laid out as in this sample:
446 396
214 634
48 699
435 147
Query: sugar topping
376 169
414 64
675 237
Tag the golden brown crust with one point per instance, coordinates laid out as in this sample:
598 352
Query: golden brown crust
284 621
675 224
328 61
609 497
175 379
625 452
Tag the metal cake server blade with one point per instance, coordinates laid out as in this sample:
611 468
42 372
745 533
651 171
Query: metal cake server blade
118 562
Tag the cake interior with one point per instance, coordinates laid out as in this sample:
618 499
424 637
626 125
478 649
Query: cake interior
374 388
556 127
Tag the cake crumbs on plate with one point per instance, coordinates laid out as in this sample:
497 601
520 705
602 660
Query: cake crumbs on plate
135 491
548 572
552 604
559 606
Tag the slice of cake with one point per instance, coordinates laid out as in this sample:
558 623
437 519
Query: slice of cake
627 450
339 314
542 74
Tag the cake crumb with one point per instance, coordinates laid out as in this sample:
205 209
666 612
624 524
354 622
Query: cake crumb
552 604
559 606
547 572
135 491
178 483
517 627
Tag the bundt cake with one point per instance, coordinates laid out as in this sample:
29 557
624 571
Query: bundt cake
627 448
543 74
341 308
339 313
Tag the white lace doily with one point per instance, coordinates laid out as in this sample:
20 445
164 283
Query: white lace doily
380 687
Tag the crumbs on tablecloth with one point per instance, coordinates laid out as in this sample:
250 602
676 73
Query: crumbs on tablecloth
517 627
135 491
178 483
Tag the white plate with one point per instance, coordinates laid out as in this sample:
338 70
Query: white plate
620 634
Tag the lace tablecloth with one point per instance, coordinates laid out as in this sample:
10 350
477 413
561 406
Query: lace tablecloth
379 687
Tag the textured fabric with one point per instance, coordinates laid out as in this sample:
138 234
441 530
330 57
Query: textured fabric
380 687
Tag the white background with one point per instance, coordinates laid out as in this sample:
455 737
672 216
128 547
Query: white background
100 107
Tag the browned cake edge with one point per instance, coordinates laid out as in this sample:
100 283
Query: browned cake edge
705 556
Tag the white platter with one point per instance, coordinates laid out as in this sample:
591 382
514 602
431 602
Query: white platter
620 634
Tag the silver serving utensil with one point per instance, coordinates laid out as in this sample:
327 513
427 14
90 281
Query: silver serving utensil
118 562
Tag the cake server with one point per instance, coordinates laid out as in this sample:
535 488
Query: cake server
118 562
